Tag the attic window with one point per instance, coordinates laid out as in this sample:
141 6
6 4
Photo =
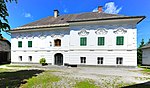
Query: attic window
62 18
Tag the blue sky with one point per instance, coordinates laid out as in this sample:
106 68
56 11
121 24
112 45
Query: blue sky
26 11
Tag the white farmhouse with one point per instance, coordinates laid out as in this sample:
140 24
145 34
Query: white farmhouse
93 38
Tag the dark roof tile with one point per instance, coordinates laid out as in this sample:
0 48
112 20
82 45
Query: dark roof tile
71 17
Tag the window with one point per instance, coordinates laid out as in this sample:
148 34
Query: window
83 59
101 41
20 44
57 42
100 60
50 43
120 40
30 58
20 58
29 43
119 60
83 41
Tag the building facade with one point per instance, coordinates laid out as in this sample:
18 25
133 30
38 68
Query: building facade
94 38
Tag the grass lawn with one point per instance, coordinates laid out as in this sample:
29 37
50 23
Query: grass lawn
145 69
85 84
43 80
26 66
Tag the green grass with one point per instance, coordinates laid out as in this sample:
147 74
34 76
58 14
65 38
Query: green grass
85 84
26 66
145 69
46 79
4 70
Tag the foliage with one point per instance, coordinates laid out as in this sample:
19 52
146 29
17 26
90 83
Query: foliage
85 84
139 52
4 14
42 61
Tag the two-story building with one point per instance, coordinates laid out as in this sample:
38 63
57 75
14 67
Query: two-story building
92 38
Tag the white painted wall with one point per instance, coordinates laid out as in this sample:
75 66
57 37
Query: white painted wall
71 49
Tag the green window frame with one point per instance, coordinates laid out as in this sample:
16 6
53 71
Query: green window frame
119 40
19 44
83 41
101 41
29 43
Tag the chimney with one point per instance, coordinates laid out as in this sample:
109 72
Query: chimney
56 13
100 9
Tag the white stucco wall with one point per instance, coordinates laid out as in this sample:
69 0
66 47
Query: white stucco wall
70 45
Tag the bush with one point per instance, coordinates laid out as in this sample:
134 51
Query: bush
43 61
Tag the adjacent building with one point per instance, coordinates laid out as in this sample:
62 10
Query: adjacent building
146 54
5 47
92 38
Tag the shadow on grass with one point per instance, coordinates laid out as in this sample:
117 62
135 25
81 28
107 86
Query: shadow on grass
16 78
141 85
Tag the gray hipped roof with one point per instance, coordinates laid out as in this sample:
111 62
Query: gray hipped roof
64 20
71 17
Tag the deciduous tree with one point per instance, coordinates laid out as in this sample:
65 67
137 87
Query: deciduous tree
4 14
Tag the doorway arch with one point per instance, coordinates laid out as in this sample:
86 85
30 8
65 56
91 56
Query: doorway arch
58 59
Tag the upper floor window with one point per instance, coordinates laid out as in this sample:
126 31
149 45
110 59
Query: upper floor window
119 40
83 41
101 41
29 43
19 44
57 42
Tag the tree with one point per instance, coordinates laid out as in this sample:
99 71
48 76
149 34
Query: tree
4 14
139 52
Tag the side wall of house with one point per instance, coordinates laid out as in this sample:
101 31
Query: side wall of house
146 57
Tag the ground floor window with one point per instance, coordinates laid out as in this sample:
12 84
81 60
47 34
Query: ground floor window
119 60
100 60
30 58
83 59
20 58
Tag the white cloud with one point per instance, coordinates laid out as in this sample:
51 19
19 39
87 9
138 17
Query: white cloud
27 15
95 10
111 8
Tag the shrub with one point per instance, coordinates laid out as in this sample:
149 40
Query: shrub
42 61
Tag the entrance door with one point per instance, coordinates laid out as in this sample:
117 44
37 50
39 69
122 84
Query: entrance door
58 59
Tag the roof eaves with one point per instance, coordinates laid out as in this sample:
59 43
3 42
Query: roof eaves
37 27
107 18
